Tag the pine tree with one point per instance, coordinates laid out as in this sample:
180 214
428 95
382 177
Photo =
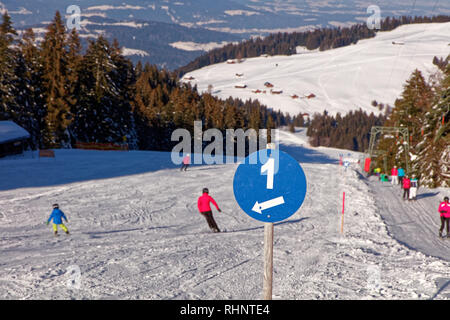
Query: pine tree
8 63
93 117
107 82
62 95
416 99
29 89
54 57
124 77
73 85
432 164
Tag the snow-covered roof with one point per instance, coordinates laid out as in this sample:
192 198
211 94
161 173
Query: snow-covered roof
9 131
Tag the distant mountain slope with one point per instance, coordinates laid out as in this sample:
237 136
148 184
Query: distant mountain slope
235 19
288 43
248 17
149 41
337 80
239 19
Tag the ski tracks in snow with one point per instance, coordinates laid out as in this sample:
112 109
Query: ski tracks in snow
141 237
413 223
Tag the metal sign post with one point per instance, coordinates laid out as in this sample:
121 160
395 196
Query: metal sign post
268 252
269 186
268 261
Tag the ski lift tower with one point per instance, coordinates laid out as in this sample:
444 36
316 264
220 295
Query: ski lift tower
375 131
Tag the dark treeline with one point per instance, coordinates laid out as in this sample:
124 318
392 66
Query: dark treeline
286 43
351 132
62 94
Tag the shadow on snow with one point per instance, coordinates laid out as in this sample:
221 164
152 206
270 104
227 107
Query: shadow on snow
72 166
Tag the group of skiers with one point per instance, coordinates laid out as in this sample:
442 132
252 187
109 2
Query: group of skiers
203 205
398 176
409 185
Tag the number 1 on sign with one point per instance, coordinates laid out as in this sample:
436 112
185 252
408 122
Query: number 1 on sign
269 167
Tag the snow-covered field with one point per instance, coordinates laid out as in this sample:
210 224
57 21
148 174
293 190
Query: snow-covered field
342 79
192 46
136 233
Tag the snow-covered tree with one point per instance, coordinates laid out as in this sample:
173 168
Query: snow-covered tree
104 112
29 97
8 62
417 98
433 161
54 59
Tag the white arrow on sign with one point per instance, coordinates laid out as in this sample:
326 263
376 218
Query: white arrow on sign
259 207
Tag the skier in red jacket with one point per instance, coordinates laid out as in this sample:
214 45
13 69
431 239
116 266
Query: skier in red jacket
394 175
406 185
205 209
444 210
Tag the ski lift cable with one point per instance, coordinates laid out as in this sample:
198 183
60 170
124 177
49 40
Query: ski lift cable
424 30
398 54
405 69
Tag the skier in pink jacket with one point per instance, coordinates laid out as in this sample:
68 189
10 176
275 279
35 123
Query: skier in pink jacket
186 162
406 183
444 210
205 209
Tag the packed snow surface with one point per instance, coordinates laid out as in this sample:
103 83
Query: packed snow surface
341 79
193 46
136 232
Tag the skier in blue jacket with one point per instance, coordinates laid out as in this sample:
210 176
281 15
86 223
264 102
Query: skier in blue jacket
401 175
57 215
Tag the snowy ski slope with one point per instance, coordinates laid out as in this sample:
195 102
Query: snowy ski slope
136 233
342 79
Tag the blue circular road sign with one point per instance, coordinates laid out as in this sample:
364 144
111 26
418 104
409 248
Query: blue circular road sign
269 185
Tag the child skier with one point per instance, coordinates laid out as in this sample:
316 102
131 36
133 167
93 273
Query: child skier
413 189
57 215
205 209
444 210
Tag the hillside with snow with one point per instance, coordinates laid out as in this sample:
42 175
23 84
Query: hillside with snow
337 80
174 32
136 232
246 17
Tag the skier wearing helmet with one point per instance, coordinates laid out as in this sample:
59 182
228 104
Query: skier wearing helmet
444 210
205 209
57 215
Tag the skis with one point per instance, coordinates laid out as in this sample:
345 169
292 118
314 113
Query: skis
57 235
